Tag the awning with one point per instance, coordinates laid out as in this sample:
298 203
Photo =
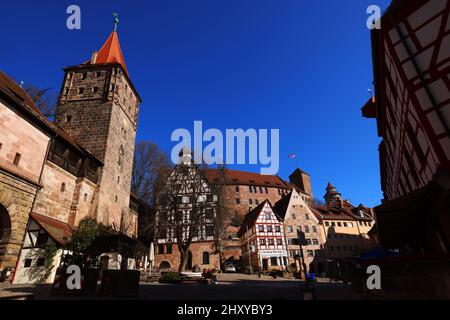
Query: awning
60 231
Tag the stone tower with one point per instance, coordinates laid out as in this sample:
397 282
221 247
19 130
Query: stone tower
301 180
332 195
98 106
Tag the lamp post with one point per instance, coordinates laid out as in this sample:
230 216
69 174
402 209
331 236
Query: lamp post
301 242
249 249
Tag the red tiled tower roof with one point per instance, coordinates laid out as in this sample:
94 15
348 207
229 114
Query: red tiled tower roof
110 52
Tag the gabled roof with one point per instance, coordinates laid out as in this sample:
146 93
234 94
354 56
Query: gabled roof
251 217
281 206
235 177
61 232
22 101
110 52
340 211
10 86
300 171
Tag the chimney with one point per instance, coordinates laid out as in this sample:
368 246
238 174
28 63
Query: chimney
94 57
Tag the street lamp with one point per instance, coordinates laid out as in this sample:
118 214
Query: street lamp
301 242
249 249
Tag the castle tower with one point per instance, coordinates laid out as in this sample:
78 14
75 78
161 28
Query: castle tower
98 106
301 180
332 195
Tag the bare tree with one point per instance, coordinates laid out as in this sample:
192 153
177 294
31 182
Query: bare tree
44 99
188 208
319 202
149 160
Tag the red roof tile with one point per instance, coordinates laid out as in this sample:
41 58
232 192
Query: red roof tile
11 87
110 52
235 177
58 230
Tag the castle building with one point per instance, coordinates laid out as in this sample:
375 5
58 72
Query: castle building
302 229
263 242
344 231
52 175
324 239
243 191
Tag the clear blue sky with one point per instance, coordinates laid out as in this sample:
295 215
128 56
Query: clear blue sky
301 66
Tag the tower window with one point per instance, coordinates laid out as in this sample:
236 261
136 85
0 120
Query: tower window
98 74
83 75
116 198
68 118
63 187
121 155
118 179
67 90
80 90
94 89
17 159
85 196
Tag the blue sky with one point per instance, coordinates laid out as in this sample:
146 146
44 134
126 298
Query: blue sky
299 66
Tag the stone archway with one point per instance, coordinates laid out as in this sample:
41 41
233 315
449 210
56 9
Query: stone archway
164 265
5 225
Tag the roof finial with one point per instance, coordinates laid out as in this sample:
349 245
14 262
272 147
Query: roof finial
116 21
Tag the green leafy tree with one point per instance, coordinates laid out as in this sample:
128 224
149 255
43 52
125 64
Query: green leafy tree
84 251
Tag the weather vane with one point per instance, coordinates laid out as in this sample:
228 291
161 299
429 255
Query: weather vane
116 21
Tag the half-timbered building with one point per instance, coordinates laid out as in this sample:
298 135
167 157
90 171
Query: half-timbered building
263 241
411 64
186 217
411 60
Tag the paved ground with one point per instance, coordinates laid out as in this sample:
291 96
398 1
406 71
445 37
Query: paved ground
230 287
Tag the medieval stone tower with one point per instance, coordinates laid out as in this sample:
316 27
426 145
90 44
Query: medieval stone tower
98 107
